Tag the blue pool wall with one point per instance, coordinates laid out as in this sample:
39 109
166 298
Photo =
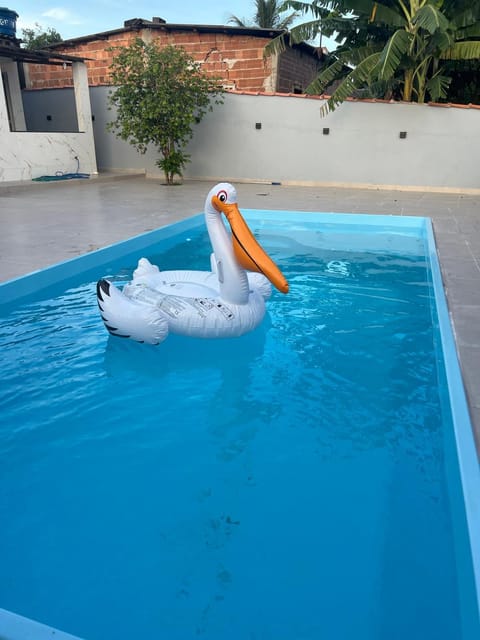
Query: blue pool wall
468 557
15 627
465 496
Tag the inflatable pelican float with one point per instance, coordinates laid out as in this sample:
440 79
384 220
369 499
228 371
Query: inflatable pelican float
225 302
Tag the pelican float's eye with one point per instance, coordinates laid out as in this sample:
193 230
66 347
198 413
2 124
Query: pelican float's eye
222 195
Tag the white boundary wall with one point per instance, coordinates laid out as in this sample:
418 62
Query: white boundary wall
363 147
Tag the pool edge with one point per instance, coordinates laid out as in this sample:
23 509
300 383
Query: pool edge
465 448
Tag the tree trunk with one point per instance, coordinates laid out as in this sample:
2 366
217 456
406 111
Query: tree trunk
408 85
422 81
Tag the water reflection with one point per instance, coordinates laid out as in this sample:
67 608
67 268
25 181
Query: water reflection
209 378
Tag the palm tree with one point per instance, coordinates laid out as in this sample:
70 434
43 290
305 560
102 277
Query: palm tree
267 16
388 45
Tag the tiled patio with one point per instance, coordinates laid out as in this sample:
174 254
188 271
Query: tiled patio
42 224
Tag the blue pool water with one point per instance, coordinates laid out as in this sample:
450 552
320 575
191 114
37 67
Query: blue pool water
300 482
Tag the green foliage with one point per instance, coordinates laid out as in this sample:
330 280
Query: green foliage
396 48
465 85
160 94
37 38
388 48
268 15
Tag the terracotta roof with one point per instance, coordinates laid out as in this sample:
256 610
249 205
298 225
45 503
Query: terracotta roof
378 100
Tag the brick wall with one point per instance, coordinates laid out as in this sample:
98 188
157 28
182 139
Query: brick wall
237 58
296 70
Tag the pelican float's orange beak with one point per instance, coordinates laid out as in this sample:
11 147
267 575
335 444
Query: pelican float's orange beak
248 252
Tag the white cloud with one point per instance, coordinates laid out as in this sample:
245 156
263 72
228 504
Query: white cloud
60 14
25 24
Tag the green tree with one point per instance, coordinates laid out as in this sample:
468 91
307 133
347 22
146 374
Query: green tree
268 15
37 38
465 85
389 47
160 94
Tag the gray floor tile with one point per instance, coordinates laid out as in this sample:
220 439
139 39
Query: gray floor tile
466 320
458 267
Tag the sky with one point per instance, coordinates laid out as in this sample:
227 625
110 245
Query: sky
74 19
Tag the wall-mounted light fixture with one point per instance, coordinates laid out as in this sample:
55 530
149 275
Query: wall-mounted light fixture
403 134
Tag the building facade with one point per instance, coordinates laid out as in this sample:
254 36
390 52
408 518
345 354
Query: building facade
235 54
28 152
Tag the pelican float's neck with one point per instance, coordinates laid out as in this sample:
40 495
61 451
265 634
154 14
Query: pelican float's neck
232 279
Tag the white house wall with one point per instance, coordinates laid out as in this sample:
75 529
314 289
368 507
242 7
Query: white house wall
26 155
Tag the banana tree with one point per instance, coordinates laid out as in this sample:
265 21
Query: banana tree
388 43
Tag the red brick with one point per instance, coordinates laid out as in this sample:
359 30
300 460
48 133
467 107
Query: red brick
234 57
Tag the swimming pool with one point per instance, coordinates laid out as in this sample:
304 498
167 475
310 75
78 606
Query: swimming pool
315 478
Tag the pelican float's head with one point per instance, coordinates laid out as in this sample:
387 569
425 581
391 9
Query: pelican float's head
248 253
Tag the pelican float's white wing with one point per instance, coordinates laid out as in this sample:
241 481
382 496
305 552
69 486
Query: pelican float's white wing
127 319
